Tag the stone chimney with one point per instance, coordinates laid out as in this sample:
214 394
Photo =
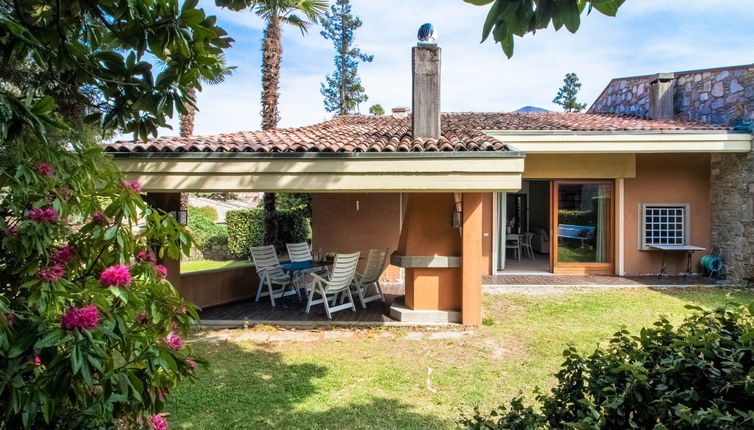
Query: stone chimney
426 91
661 89
401 112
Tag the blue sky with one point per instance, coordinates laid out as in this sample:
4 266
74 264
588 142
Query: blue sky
648 36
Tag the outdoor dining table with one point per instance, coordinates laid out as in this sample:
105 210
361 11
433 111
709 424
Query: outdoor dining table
298 268
688 249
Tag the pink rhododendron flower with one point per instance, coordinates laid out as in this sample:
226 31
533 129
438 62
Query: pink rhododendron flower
161 271
116 276
161 394
10 317
85 318
159 422
44 169
191 363
174 342
52 273
134 186
145 256
37 361
62 254
98 217
48 214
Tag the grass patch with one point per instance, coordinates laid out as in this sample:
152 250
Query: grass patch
199 265
378 379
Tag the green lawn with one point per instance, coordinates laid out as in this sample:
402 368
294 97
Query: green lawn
198 265
377 378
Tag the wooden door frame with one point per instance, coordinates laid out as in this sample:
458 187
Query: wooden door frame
556 267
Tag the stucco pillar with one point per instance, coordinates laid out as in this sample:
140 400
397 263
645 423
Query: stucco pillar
168 202
471 298
429 245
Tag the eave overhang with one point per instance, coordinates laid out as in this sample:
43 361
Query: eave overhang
473 171
638 141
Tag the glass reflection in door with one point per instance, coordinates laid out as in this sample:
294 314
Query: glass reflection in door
583 222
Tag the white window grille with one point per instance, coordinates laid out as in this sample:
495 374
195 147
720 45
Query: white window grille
664 225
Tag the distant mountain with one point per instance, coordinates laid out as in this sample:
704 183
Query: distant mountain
530 109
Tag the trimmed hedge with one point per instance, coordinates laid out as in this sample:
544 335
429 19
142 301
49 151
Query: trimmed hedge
246 229
204 230
207 211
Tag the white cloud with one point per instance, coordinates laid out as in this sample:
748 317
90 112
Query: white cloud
648 36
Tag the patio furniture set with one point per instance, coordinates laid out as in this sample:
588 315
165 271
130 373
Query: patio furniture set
324 282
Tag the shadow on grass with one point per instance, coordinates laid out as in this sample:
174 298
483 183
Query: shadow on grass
255 388
710 297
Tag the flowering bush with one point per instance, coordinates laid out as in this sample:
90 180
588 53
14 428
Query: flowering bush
90 329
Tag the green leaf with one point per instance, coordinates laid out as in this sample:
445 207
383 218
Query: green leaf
492 17
121 293
607 7
43 106
110 233
192 16
479 2
50 339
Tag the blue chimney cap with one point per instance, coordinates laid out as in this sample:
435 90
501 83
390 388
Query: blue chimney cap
427 34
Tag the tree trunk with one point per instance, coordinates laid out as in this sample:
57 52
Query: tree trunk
187 120
272 51
270 220
187 129
343 53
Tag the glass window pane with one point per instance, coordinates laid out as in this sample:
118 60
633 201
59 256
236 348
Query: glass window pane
583 223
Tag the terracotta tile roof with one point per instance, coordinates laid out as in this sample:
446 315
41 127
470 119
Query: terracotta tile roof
361 133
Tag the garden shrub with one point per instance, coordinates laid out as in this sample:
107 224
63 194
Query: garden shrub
90 329
293 227
204 230
246 229
699 375
206 211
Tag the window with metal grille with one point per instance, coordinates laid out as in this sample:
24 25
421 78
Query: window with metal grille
664 225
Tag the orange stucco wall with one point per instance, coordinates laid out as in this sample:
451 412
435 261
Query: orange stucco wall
428 231
471 299
339 226
667 178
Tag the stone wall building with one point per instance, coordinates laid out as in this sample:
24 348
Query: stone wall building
722 95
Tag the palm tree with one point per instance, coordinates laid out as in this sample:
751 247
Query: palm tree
299 14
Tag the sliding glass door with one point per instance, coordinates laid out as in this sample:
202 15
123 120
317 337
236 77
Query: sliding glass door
582 227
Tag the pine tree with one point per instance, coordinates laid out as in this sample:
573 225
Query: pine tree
567 94
343 91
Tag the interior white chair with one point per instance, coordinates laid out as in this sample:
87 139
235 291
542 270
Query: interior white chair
270 273
527 248
375 265
515 245
340 279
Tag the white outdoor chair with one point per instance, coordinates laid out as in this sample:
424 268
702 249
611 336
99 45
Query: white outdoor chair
270 273
298 252
343 271
376 262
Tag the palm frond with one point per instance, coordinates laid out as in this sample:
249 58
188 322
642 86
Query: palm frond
296 21
313 9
